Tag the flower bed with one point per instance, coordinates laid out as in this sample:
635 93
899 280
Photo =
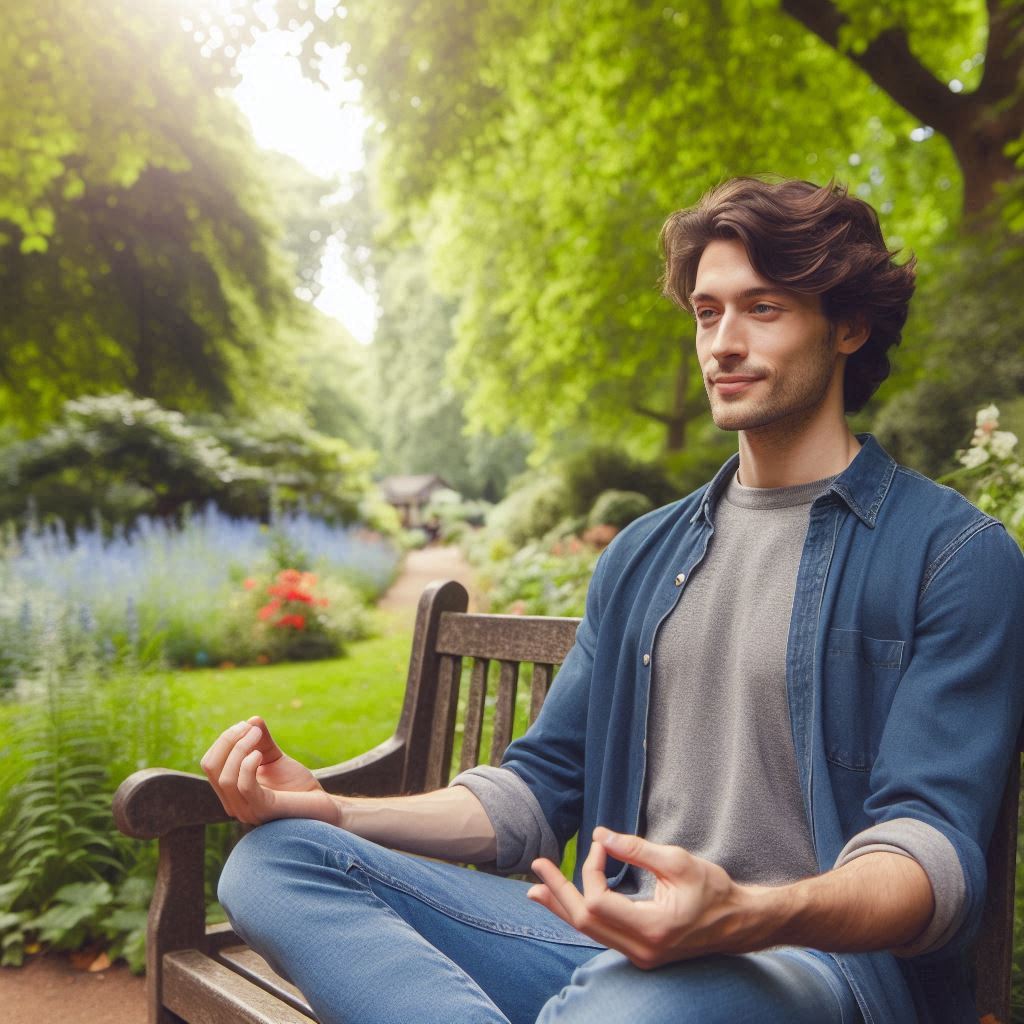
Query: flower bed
178 593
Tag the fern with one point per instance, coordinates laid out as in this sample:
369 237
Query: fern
68 877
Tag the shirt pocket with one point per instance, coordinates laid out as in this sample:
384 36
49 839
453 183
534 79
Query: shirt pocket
861 676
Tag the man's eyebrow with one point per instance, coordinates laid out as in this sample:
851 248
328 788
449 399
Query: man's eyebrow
747 293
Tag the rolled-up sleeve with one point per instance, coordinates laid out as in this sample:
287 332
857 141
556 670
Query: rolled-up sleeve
935 854
522 832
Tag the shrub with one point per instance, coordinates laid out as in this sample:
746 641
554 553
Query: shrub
566 490
296 617
588 474
531 510
991 473
454 515
618 508
539 579
127 457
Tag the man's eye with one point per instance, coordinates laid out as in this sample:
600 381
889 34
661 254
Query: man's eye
703 314
764 307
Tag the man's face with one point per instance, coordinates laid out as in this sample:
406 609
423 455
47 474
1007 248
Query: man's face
767 354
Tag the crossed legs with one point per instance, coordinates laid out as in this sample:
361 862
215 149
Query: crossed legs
371 935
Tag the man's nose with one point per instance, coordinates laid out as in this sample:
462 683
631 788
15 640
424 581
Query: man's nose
730 341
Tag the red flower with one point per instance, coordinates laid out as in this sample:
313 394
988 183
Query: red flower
295 621
249 583
269 609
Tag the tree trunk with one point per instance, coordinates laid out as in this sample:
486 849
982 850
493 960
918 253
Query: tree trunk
979 124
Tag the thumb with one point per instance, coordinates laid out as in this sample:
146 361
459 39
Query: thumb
266 746
661 860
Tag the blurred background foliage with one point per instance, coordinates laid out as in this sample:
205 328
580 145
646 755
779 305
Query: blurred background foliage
521 160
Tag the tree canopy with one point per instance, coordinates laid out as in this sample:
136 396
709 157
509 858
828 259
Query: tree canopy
138 244
534 149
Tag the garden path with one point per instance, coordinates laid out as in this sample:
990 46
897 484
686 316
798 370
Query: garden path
420 568
60 988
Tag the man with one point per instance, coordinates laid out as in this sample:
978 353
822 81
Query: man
800 684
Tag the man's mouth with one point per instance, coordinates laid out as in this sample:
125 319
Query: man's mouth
731 384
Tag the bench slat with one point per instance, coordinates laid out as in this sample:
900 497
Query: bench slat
439 760
202 991
250 965
505 710
506 637
540 683
474 722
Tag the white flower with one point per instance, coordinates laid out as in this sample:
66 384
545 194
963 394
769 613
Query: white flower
1003 442
974 457
987 419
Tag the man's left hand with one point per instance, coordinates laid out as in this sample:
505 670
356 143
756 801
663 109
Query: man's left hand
696 908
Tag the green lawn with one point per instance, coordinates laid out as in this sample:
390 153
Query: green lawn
320 712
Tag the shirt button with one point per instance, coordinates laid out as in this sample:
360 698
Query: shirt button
647 659
680 579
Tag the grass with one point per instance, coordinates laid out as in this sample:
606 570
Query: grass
320 712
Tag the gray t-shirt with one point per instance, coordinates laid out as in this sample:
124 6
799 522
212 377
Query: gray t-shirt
718 731
721 777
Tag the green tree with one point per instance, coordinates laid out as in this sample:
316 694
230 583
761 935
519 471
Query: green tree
419 416
534 149
138 245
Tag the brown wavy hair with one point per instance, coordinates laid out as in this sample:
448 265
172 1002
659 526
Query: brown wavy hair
817 240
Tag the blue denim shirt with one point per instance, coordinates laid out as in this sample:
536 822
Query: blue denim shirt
904 670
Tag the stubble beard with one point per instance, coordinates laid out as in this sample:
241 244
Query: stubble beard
788 403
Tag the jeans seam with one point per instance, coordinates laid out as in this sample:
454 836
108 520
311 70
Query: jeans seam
830 980
474 922
866 1014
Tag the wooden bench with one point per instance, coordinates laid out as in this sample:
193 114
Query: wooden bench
207 976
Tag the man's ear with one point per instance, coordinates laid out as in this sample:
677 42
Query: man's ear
851 335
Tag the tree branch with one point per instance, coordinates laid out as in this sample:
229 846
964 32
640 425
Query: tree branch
999 79
889 63
669 418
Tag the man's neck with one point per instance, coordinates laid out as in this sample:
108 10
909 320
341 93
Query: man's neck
784 455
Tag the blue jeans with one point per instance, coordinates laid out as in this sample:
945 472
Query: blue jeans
371 935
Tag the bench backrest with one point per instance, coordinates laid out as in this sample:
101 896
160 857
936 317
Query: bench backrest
433 717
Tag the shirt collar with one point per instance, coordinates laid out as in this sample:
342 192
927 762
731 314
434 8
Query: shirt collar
863 485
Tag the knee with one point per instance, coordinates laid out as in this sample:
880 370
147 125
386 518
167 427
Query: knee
603 988
262 862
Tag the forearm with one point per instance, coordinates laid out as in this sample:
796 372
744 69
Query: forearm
450 824
879 901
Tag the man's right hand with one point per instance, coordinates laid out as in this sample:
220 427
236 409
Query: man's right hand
257 782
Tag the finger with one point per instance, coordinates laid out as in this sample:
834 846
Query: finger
561 889
595 881
212 762
592 925
254 796
268 748
667 862
227 781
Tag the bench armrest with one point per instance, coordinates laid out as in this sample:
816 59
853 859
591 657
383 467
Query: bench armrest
154 801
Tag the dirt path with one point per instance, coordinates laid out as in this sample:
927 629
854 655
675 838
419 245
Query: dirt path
50 990
422 567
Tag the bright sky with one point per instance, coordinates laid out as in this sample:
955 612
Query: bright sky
321 126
